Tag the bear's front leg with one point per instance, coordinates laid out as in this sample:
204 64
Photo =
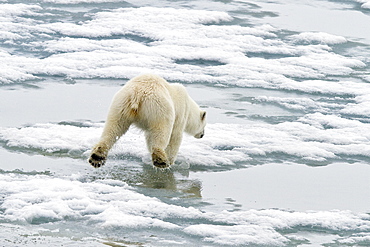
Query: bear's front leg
98 156
157 140
173 146
159 158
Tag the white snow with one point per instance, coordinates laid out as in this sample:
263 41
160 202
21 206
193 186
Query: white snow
115 205
313 137
358 239
79 39
320 37
365 3
238 234
10 10
77 141
54 199
81 1
170 35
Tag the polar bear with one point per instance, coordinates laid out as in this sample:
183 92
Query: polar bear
162 110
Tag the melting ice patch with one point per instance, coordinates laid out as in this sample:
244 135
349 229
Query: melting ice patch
81 1
43 199
365 3
318 37
159 40
191 46
314 137
106 205
74 141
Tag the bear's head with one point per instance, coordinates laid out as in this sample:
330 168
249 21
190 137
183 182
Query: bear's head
202 124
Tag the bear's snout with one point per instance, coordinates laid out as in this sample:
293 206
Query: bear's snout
199 135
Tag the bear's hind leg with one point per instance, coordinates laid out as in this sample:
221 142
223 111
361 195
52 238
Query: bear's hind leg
114 128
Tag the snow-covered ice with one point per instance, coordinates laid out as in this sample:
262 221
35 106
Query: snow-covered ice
277 94
364 3
112 206
315 137
196 37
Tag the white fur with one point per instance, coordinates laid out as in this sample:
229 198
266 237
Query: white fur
163 110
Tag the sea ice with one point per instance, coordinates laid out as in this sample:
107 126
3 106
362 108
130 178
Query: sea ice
111 205
161 39
365 3
312 137
69 39
319 37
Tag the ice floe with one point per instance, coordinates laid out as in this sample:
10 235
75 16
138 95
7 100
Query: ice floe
10 10
364 3
314 137
110 204
318 37
81 1
315 75
166 41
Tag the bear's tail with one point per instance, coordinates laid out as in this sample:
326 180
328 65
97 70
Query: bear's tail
134 106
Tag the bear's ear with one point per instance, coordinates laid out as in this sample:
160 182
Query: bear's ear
202 115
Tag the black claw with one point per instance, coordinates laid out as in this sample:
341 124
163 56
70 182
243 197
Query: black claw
96 160
97 157
96 165
160 164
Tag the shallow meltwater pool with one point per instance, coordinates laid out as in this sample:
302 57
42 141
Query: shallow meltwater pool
285 156
288 186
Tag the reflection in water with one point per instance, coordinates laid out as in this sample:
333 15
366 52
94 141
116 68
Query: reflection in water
147 176
166 179
158 178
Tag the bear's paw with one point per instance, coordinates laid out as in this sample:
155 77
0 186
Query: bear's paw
159 158
97 157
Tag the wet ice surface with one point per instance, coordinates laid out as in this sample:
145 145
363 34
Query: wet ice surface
285 158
